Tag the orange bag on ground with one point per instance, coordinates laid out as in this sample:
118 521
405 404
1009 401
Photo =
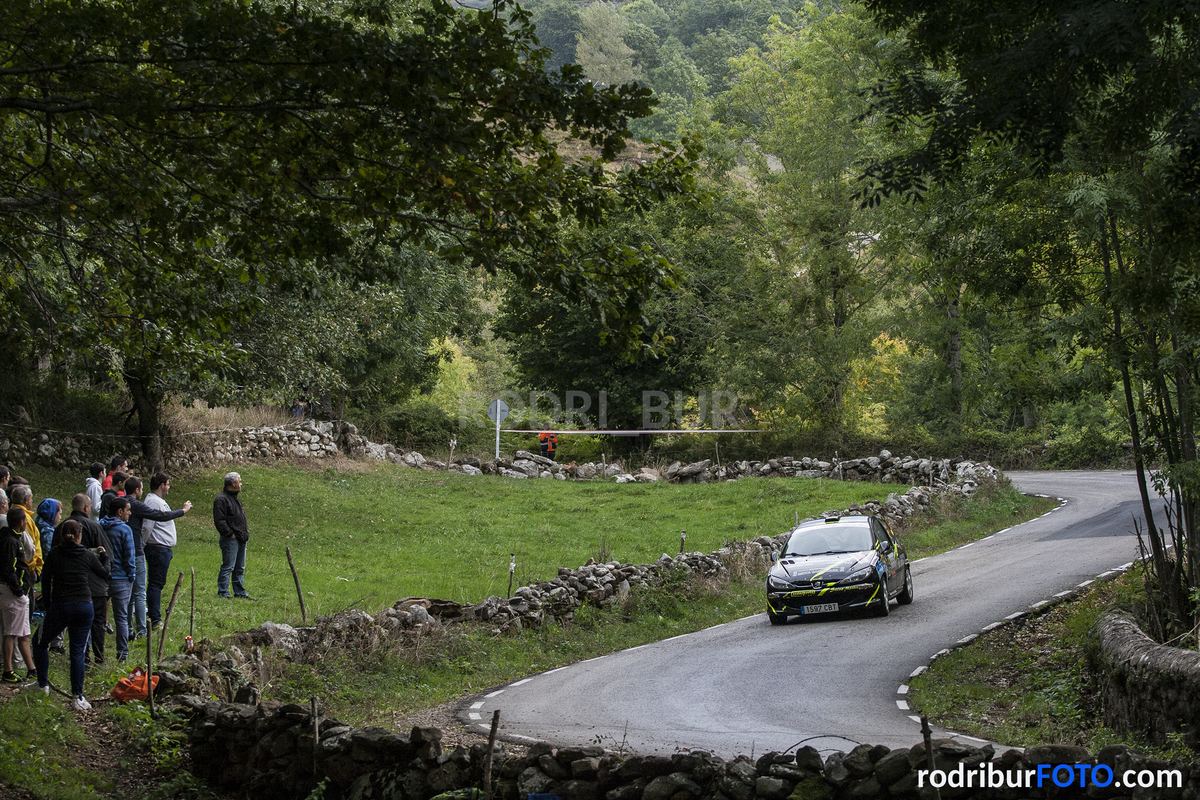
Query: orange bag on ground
133 687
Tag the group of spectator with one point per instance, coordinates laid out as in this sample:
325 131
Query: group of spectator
113 549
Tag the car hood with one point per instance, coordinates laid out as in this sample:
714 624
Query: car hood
832 567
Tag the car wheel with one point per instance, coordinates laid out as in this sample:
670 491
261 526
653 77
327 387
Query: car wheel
906 594
776 619
883 606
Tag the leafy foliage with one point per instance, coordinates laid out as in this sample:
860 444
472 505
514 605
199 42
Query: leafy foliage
169 161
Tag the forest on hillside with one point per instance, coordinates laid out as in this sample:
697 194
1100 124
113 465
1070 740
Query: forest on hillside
765 200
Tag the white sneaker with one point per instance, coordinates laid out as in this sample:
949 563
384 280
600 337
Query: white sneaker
33 687
80 703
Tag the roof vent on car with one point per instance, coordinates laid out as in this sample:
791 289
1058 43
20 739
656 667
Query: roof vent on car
832 519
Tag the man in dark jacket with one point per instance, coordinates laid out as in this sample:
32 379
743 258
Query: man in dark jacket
230 520
92 537
16 583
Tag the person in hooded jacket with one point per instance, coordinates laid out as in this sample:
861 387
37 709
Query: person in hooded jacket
65 580
120 584
49 514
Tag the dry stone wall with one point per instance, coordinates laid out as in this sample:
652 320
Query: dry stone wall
1146 687
58 450
319 440
272 751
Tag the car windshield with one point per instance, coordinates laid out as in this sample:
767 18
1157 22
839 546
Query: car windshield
829 539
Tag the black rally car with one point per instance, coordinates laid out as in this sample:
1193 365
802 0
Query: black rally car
838 564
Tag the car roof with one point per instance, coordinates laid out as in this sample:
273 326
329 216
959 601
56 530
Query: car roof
848 519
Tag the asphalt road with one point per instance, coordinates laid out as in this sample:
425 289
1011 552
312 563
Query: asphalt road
750 687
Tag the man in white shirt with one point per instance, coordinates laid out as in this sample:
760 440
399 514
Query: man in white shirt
159 539
93 488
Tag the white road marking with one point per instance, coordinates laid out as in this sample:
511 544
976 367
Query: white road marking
918 671
475 715
1063 594
520 682
972 738
1040 603
914 718
968 639
556 669
965 546
902 705
1087 583
938 654
1017 615
493 694
992 627
476 706
1127 566
1106 574
903 689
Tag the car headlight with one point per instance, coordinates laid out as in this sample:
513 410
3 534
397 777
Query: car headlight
858 576
777 584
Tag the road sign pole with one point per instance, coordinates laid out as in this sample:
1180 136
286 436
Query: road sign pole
498 410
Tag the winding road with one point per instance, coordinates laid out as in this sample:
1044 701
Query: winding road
750 687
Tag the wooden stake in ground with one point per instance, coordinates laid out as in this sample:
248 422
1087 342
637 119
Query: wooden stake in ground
682 540
487 757
192 618
162 639
296 578
512 568
150 671
316 721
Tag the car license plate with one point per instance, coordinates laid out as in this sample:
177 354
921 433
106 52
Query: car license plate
824 608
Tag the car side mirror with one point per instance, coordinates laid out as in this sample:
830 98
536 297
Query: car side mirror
774 556
885 546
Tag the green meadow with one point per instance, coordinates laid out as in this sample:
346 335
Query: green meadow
368 534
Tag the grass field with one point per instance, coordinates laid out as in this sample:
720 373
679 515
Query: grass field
367 534
372 533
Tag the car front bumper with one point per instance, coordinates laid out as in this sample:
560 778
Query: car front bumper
847 597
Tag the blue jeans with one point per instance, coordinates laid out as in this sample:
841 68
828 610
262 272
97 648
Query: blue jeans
158 564
233 560
120 590
75 618
137 599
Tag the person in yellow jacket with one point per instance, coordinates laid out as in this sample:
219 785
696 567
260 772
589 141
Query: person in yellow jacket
21 497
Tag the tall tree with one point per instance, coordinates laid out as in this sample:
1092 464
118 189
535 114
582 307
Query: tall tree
557 23
1108 92
606 58
160 153
798 114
